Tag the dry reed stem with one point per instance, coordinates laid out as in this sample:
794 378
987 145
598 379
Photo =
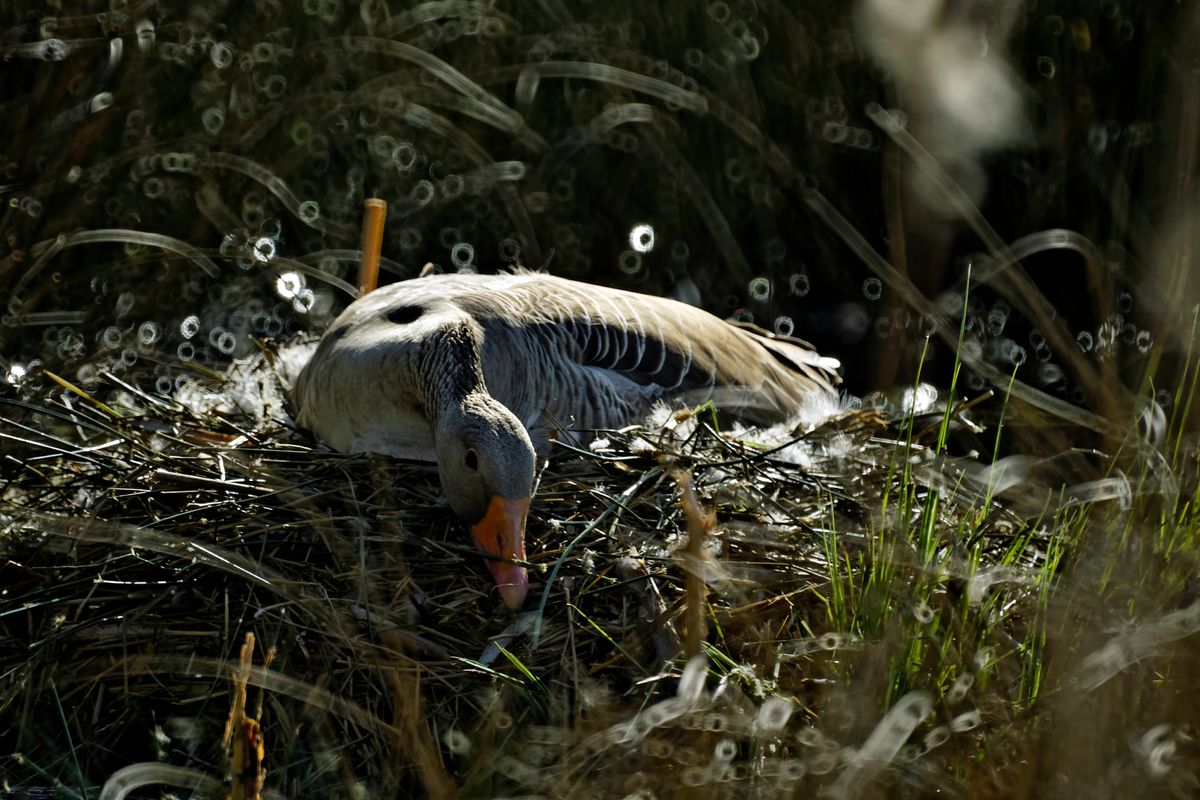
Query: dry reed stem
247 775
699 524
374 217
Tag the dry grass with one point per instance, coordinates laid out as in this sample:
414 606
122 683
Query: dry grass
142 550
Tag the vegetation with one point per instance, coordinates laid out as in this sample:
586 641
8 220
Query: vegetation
979 582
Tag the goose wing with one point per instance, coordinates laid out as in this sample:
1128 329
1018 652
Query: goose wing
600 357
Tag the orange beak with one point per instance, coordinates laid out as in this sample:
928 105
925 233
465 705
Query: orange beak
501 533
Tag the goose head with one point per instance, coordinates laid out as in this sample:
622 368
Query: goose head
486 463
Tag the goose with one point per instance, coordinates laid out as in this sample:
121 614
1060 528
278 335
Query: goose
479 372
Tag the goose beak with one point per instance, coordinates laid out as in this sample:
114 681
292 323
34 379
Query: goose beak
501 533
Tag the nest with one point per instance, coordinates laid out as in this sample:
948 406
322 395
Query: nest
143 549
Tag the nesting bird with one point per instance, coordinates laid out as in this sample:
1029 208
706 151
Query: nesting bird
479 372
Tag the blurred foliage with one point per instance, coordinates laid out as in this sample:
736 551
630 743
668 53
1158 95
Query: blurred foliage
543 133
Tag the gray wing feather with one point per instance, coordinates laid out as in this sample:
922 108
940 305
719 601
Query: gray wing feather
657 348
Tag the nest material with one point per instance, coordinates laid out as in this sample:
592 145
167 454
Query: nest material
141 551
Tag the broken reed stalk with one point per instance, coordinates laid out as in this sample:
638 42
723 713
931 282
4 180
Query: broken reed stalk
243 734
699 524
374 216
240 679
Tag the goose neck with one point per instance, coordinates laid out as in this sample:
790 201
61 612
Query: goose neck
450 370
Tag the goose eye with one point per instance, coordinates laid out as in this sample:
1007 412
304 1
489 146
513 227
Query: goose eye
472 460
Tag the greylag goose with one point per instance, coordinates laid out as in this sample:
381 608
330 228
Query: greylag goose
475 372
